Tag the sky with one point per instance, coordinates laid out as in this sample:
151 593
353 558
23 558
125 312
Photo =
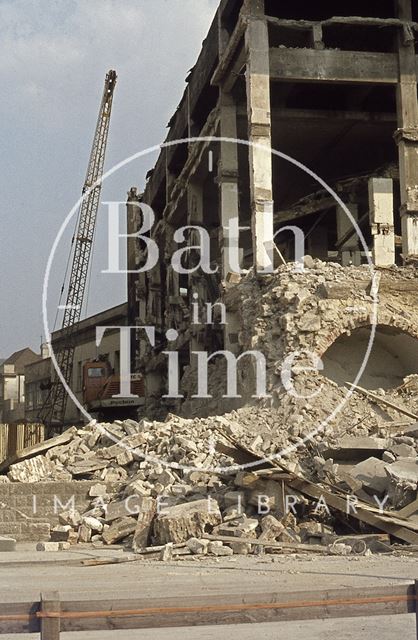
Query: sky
54 55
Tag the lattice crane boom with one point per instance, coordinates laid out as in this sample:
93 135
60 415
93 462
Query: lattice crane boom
56 402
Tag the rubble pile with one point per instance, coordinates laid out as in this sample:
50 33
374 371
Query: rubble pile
281 472
204 502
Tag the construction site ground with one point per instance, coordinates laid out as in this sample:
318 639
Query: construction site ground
25 572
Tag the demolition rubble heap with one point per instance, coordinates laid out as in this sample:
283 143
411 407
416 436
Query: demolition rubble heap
274 474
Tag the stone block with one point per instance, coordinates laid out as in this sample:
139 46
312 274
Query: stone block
181 522
73 518
404 471
120 509
119 529
271 528
32 470
93 523
148 509
84 533
219 550
98 490
198 547
372 474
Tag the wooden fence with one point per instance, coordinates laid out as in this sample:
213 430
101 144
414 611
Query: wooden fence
15 437
49 616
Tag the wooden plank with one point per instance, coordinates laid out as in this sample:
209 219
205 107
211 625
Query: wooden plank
407 511
290 546
175 611
19 617
50 624
311 65
381 400
239 608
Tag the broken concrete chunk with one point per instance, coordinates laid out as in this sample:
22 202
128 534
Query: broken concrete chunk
404 470
33 470
240 548
119 529
144 522
125 457
181 522
271 528
353 448
93 523
120 509
267 496
197 546
372 474
84 533
72 518
219 550
166 553
63 533
52 546
403 451
245 479
85 467
98 490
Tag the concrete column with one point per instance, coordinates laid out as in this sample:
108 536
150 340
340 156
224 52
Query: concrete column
259 134
195 216
381 220
407 134
350 251
228 177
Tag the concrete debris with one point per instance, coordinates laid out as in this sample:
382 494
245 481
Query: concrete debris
52 546
177 481
372 474
119 529
181 522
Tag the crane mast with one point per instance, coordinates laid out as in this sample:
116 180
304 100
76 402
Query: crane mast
82 243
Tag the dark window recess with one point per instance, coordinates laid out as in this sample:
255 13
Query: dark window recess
323 9
314 96
290 38
381 100
206 102
359 38
179 157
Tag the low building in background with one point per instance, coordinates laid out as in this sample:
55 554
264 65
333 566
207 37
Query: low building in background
12 385
39 373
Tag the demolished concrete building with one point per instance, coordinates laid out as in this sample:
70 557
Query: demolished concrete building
334 88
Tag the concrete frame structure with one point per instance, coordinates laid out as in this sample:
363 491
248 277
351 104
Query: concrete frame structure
334 87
